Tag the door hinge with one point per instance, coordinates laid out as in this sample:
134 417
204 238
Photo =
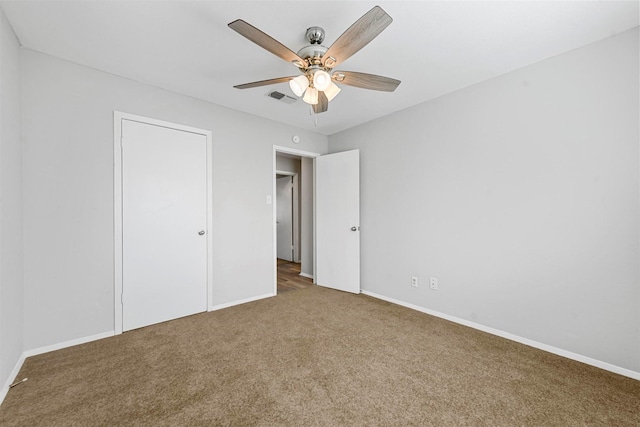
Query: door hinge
122 298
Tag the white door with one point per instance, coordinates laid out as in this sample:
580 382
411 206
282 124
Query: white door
164 219
338 221
284 217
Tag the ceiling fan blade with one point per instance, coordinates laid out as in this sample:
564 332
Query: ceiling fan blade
357 36
267 42
323 103
264 82
366 81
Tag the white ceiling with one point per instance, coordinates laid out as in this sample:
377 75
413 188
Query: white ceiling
433 47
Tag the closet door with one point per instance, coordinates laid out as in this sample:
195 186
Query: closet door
164 223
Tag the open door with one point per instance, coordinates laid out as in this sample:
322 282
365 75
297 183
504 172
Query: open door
338 221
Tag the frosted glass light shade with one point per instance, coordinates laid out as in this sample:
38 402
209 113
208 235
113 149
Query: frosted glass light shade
321 80
311 96
299 84
332 91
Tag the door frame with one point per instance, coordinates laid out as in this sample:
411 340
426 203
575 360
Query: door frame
274 234
118 116
295 214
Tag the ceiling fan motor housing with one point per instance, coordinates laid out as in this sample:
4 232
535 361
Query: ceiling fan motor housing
313 53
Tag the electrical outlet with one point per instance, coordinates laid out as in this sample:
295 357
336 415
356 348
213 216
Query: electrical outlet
414 281
433 283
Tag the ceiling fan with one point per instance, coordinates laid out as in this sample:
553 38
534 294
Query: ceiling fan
317 83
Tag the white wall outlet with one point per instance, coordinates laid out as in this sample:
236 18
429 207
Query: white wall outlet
433 283
414 281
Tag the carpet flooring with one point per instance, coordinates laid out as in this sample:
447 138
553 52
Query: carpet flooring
314 357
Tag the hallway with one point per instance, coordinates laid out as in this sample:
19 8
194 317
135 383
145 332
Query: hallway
289 277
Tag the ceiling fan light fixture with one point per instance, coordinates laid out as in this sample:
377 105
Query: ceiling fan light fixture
332 91
321 80
299 84
311 96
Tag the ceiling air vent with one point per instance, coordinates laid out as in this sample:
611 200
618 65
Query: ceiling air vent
282 97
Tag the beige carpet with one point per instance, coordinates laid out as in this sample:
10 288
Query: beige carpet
314 357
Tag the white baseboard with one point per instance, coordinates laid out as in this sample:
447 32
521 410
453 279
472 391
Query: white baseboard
308 276
65 344
12 377
238 302
46 349
70 343
560 352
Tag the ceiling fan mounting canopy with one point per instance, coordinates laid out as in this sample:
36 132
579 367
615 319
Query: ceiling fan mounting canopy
316 62
315 35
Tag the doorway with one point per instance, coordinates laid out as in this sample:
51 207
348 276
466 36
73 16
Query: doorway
330 255
293 190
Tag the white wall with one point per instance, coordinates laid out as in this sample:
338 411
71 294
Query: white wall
68 193
521 195
11 312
